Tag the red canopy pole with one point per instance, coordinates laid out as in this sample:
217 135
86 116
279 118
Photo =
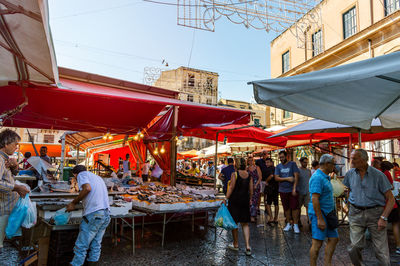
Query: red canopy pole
350 145
216 160
173 149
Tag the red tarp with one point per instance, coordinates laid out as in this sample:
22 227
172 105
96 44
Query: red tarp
186 126
250 134
117 153
94 108
345 137
163 159
83 108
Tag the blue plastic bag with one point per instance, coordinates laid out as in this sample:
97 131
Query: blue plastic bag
61 217
224 219
17 217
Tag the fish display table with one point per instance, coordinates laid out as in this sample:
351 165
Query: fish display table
177 213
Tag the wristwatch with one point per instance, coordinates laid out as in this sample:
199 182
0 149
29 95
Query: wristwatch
384 218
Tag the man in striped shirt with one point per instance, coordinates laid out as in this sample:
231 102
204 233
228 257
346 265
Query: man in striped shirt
9 191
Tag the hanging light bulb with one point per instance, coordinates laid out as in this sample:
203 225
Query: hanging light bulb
156 151
141 135
356 146
105 137
162 150
110 137
136 137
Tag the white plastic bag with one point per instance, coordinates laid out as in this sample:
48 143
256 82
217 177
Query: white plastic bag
31 216
337 187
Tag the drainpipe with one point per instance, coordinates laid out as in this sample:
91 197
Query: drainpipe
371 9
371 52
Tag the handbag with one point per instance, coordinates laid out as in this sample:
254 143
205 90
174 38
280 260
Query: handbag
331 219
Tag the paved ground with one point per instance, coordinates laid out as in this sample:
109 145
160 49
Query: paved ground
270 246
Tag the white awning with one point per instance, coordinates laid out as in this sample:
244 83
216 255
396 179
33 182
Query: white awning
26 47
352 94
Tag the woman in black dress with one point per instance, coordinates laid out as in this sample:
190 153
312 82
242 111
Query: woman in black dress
239 194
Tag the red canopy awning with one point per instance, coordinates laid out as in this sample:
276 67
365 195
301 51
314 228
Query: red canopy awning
345 137
249 134
87 107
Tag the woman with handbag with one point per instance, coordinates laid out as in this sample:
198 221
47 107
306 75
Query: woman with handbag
255 174
321 211
240 191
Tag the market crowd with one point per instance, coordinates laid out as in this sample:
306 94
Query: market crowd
245 182
368 192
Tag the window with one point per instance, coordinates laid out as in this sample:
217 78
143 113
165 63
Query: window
316 43
286 114
209 83
349 23
209 101
190 80
256 121
48 139
242 106
285 62
190 98
391 6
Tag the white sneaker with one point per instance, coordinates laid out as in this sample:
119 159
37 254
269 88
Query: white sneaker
288 227
296 228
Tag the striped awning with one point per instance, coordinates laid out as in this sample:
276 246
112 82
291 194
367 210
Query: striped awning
26 48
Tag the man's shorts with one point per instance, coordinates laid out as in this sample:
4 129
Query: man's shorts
289 201
318 233
272 195
304 200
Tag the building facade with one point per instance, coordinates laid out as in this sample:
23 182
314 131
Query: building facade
347 31
194 85
260 113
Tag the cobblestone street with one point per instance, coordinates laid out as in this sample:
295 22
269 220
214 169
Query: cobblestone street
270 246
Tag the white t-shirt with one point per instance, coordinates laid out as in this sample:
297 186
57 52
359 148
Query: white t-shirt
126 166
146 168
97 199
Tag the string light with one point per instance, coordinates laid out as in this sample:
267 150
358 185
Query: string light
108 136
162 150
141 135
156 150
136 137
356 146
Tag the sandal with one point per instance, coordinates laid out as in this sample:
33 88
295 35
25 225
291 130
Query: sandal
248 252
232 247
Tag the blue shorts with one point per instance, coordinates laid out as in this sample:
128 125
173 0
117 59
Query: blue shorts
318 233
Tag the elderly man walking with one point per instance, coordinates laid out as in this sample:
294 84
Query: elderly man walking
371 202
321 204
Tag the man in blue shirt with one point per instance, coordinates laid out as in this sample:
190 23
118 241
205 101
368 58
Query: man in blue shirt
226 174
321 204
287 174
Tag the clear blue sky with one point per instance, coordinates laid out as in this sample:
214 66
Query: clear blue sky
120 38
